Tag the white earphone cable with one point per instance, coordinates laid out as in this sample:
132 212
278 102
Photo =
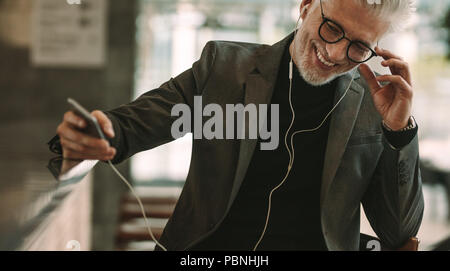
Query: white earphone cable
140 205
291 150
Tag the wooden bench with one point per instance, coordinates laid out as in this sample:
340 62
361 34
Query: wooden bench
159 204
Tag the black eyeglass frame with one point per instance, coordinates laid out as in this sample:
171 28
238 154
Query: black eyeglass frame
351 42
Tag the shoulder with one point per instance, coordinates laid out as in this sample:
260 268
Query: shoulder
231 53
232 48
227 60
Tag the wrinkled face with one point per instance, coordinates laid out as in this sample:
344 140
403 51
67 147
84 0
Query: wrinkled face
319 62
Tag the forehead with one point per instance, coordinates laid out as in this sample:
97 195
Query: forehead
358 22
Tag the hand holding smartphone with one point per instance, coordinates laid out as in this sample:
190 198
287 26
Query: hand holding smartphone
92 128
83 135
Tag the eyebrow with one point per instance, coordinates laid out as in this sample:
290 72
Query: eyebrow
359 40
364 42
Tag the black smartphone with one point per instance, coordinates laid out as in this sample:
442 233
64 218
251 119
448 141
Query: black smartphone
92 126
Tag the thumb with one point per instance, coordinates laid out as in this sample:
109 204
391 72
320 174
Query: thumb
105 123
370 77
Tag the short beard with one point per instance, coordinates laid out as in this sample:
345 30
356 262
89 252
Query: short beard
311 77
308 74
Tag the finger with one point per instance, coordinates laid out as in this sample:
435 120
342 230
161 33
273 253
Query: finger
399 81
398 67
386 54
370 77
74 119
71 154
66 143
76 151
397 63
65 131
104 122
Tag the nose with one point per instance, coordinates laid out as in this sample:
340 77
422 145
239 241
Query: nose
337 52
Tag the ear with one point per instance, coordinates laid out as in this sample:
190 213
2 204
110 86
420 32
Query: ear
304 8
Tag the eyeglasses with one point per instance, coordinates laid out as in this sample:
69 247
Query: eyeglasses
331 32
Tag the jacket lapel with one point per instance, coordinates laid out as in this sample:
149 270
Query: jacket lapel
259 87
341 126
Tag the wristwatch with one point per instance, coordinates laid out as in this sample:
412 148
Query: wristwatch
411 125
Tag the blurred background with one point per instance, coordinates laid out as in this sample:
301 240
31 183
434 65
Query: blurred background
105 53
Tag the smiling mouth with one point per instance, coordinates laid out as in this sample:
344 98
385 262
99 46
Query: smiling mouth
322 59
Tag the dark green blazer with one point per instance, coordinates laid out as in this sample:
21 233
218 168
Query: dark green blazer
360 165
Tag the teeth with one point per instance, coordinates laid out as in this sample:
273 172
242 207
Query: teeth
322 59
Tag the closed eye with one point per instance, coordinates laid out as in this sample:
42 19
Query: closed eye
333 28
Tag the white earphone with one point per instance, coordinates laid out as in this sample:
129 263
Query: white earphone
291 150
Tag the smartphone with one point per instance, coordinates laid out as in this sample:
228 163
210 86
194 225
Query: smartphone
92 126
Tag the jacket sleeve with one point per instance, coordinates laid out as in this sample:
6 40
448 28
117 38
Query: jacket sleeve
146 122
393 202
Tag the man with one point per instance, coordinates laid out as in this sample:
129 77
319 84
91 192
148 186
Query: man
365 152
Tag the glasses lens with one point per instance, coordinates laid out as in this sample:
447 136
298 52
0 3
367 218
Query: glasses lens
331 32
359 52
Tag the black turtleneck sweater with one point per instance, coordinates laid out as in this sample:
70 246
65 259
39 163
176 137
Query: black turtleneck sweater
295 216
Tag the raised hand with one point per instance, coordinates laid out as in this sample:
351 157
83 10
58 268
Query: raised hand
394 100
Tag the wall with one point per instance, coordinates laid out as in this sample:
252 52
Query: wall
67 228
33 99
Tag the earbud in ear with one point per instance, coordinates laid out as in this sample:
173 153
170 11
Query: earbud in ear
303 11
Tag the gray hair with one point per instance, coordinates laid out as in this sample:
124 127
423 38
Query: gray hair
397 12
